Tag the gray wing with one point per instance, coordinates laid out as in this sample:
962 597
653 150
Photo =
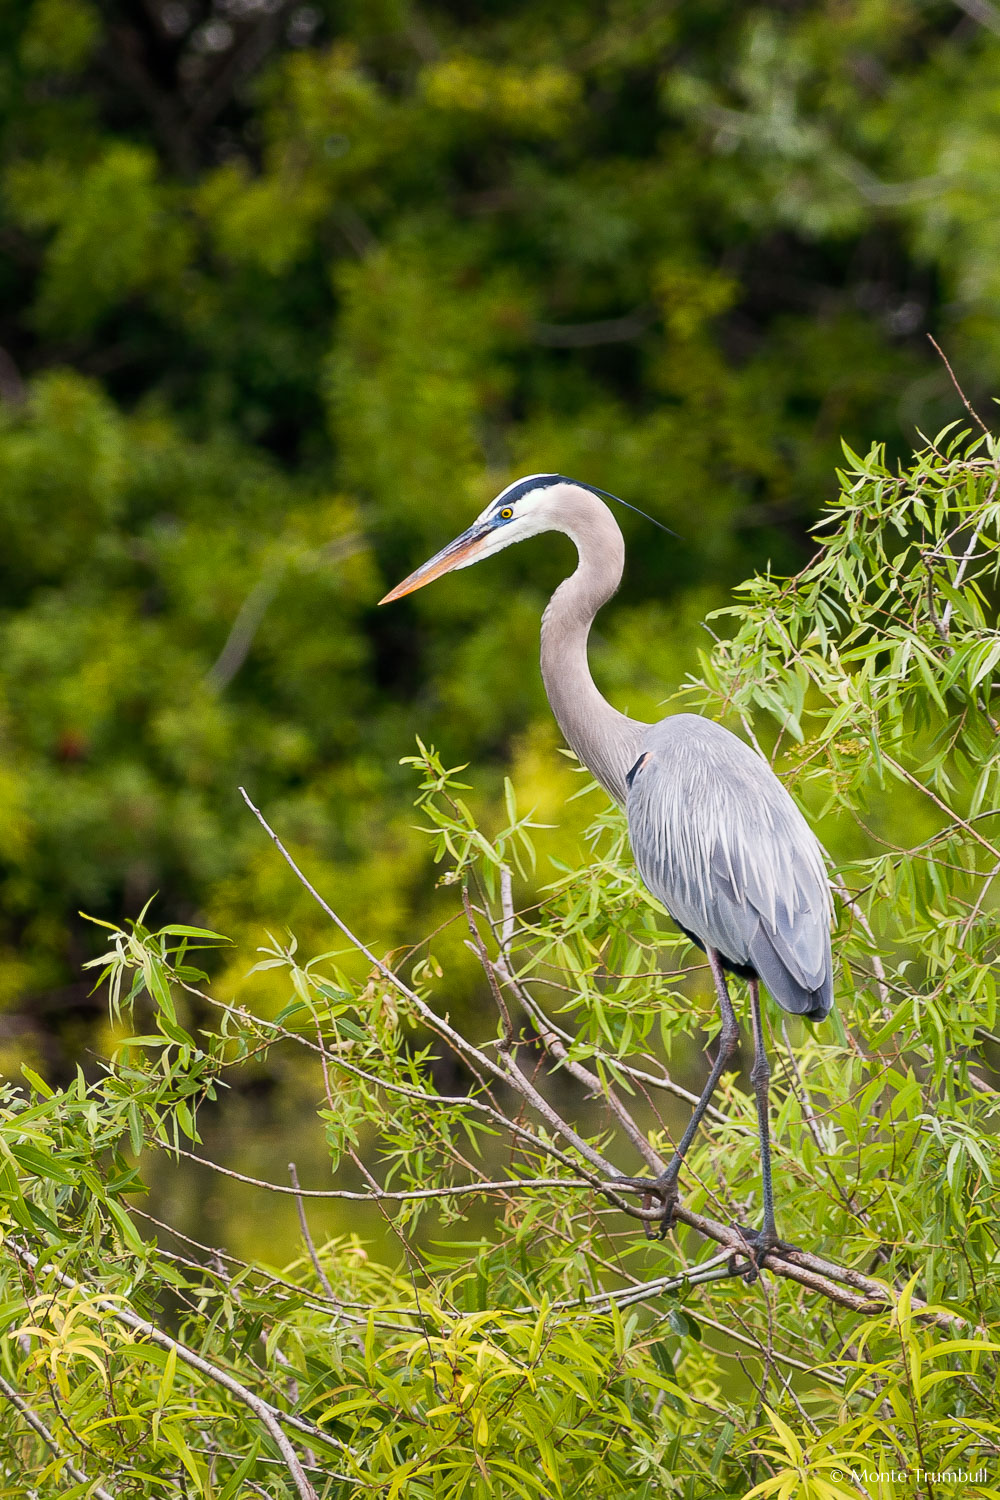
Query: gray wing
720 842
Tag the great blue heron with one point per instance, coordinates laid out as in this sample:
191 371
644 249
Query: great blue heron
715 835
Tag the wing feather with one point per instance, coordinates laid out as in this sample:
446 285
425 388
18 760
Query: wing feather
720 842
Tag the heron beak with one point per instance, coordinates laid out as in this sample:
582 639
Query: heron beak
459 553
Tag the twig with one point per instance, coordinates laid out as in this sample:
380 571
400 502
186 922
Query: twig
708 1270
555 1047
552 1044
544 1023
840 1284
34 1421
878 967
960 822
261 1409
507 907
977 907
555 1122
964 561
411 1268
304 1225
479 948
380 1194
799 1088
954 380
509 1074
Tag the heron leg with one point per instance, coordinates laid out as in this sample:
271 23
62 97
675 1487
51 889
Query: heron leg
766 1238
665 1186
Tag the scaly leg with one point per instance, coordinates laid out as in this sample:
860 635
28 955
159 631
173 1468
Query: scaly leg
664 1187
766 1238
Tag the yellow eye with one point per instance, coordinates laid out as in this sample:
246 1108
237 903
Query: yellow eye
506 513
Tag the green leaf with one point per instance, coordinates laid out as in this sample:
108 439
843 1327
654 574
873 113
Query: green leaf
124 1223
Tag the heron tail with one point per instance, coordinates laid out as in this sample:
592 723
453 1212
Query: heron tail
813 1002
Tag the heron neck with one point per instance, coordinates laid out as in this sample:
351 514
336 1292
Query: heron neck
606 741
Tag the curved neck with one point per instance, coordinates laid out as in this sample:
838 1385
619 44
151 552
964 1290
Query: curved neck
606 741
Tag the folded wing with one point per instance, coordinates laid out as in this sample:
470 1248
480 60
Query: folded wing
721 844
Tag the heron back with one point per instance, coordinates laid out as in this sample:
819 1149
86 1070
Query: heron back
719 841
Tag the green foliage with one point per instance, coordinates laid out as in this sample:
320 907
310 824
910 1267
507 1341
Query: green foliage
287 293
524 1338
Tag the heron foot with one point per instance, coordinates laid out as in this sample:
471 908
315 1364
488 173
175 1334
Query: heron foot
663 1188
760 1242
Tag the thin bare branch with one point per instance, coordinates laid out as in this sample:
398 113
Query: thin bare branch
380 1194
304 1226
954 379
35 1422
914 781
269 1415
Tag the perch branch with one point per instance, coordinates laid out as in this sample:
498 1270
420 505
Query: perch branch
554 1046
840 1284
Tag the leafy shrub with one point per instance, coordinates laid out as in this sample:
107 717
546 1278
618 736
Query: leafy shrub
544 1346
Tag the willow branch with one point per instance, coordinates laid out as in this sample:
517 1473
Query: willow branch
914 781
556 1049
543 1022
840 1284
386 1195
509 1074
980 9
271 1416
304 1226
35 1422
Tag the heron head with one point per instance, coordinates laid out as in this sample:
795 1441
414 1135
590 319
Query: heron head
526 507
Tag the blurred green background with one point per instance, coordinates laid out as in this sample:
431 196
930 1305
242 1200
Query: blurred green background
288 291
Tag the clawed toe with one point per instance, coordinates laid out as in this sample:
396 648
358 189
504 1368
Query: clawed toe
760 1243
651 1189
668 1198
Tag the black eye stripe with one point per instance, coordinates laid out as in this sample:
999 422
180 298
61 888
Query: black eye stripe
524 487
